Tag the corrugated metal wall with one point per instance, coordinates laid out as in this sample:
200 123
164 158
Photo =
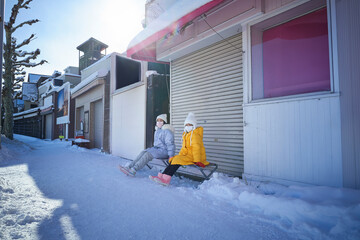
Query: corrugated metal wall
348 32
296 140
209 83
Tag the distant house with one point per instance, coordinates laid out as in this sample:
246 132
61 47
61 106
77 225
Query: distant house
35 78
71 75
274 84
49 90
111 107
40 114
30 90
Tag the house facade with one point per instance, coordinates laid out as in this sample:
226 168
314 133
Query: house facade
111 105
91 100
42 112
273 83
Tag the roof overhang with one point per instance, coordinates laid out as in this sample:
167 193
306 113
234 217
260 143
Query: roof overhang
143 46
93 84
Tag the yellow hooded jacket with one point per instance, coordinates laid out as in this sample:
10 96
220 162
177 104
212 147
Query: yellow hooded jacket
192 149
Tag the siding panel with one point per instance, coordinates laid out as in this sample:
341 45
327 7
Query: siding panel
295 141
348 33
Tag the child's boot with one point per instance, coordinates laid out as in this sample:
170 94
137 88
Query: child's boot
128 171
164 180
158 176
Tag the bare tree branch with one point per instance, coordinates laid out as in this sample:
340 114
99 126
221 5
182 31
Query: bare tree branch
27 59
25 42
25 5
23 53
14 13
29 22
15 61
36 64
18 80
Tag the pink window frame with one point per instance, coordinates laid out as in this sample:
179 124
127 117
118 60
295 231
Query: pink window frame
291 58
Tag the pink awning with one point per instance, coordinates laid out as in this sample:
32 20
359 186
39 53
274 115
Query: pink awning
143 46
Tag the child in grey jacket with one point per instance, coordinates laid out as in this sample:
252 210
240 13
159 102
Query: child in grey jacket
164 147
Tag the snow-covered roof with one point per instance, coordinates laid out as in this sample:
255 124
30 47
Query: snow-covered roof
171 20
46 81
72 75
31 110
47 106
98 74
47 87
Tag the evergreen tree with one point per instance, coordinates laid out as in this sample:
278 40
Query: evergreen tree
15 62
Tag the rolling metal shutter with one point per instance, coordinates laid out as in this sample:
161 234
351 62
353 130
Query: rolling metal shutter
209 83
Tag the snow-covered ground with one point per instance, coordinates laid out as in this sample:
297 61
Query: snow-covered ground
52 190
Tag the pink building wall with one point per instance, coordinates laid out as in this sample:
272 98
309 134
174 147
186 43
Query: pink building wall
224 16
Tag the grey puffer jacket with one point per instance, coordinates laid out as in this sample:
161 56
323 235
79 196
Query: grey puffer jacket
164 146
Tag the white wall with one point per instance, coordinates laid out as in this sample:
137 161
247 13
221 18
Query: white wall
298 140
128 122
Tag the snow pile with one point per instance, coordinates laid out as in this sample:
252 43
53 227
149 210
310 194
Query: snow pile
10 149
23 206
151 72
52 190
325 211
80 140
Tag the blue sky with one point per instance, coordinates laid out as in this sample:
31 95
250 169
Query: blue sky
65 24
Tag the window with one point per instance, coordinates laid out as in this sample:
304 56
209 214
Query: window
127 72
290 54
79 118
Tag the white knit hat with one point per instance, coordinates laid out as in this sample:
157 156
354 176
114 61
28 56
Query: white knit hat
191 119
163 117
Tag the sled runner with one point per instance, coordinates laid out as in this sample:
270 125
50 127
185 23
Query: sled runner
193 169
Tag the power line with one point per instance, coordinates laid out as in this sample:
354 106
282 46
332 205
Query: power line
204 18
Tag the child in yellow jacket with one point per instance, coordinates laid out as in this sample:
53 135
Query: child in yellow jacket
192 151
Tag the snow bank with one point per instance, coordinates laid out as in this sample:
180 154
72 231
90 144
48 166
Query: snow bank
325 211
10 149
